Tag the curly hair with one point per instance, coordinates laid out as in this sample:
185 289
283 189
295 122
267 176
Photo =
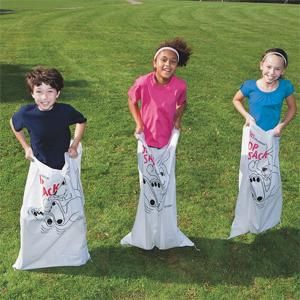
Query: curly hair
181 47
41 75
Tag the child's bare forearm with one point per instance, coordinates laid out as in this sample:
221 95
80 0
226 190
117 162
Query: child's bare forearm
291 111
22 140
78 134
239 106
179 113
20 136
135 112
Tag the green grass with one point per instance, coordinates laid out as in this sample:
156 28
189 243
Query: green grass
101 47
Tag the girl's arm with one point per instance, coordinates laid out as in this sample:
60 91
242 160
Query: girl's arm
22 140
78 134
179 113
291 112
237 101
135 112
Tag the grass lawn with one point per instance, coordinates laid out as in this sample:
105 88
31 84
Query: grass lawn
101 46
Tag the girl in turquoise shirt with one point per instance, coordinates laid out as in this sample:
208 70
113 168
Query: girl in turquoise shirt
266 95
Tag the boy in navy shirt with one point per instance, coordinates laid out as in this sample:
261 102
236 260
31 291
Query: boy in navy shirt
47 121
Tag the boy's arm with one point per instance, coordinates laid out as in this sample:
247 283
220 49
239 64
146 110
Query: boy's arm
291 112
179 113
135 112
237 101
22 140
78 134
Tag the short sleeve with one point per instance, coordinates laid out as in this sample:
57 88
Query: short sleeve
18 120
245 88
134 91
76 116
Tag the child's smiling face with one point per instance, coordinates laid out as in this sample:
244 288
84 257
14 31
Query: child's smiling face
272 68
165 66
44 96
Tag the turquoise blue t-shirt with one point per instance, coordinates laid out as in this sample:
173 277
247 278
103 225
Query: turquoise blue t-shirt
265 107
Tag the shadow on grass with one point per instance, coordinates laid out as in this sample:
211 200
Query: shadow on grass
13 83
6 11
13 89
273 254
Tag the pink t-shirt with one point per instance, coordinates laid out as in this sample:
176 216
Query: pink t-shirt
158 106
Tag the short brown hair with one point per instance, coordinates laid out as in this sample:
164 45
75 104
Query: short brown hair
41 75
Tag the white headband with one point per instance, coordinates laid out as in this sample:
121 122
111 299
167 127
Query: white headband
166 48
276 53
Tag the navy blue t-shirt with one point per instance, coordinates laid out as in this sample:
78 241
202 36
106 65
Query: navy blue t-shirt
48 130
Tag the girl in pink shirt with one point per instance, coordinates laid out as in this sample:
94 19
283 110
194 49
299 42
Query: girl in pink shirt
161 93
157 101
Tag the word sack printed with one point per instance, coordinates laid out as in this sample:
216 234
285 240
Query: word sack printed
53 227
259 201
156 218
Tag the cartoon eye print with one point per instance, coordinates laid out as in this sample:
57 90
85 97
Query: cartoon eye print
152 194
49 221
255 179
257 189
58 209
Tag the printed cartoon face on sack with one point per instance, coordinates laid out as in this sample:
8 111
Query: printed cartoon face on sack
263 175
155 181
57 197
